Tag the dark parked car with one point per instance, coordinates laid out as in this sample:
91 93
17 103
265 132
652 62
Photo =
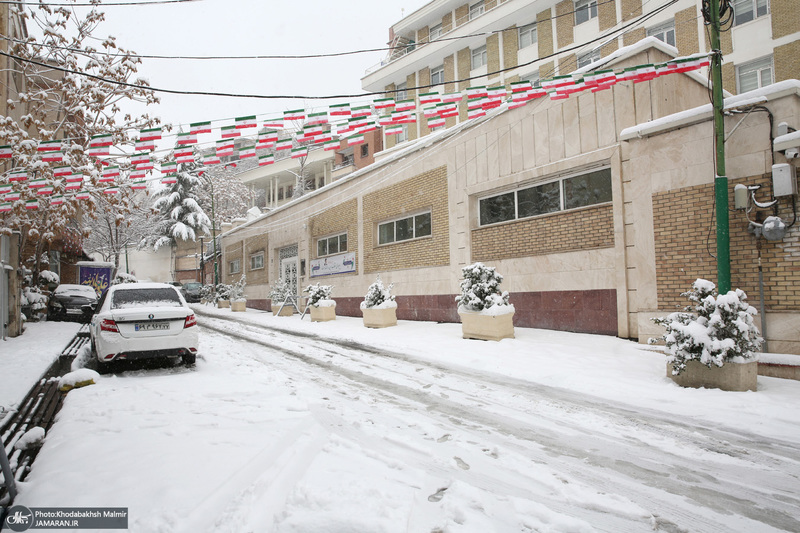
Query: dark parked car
191 291
67 301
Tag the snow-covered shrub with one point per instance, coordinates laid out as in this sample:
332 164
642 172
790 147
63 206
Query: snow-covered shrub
34 303
237 290
280 290
480 288
208 295
222 292
124 277
379 296
48 278
318 293
715 330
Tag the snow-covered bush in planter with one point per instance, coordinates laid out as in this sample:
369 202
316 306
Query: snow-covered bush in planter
208 294
279 291
124 277
716 329
223 291
236 292
48 279
378 296
319 295
480 290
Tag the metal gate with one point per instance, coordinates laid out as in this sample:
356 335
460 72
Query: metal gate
288 266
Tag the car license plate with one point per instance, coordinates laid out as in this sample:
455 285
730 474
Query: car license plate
74 312
150 326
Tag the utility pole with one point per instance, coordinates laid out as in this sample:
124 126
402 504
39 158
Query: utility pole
720 179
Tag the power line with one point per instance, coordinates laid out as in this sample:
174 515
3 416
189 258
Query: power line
70 4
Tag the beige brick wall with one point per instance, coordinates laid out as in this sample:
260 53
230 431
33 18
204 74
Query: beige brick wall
681 256
490 4
633 35
463 62
567 64
609 48
411 81
422 35
232 251
462 15
493 55
544 31
447 22
390 139
254 245
339 219
631 9
565 23
424 191
785 18
686 38
423 78
450 75
510 47
607 14
547 70
545 235
729 77
787 61
725 41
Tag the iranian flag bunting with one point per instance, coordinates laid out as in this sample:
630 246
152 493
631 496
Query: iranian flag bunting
429 98
5 189
447 110
343 128
200 127
558 96
141 146
5 152
32 204
145 166
331 145
35 184
103 139
430 112
394 130
111 172
72 186
355 139
369 126
276 123
476 113
83 195
96 151
284 144
317 118
521 86
139 158
244 153
139 185
269 136
151 134
385 121
169 180
45 191
49 146
103 179
72 178
405 105
451 97
476 92
361 111
169 168
185 139
5 206
295 114
245 122
299 152
61 171
229 132
311 131
436 122
266 160
476 103
384 103
224 147
11 196
404 117
138 174
57 200
18 175
323 137
184 156
53 157
211 160
340 110
111 190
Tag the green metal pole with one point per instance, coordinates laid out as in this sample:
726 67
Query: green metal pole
720 180
214 233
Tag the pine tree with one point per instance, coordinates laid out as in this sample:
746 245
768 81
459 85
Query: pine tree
480 288
377 294
182 218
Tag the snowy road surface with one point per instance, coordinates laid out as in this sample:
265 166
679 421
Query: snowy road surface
281 432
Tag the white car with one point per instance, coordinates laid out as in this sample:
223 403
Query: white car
134 321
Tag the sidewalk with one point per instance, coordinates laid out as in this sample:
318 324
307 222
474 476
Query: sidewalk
607 367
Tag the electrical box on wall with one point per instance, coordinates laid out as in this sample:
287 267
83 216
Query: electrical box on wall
784 180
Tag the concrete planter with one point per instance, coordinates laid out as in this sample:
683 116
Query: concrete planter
322 314
288 310
486 327
729 377
379 318
223 304
239 306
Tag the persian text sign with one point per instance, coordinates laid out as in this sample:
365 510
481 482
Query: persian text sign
335 264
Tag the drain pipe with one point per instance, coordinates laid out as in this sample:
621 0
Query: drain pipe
762 307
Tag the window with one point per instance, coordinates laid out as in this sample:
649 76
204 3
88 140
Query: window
533 78
476 10
567 193
332 245
401 93
365 150
403 136
435 32
405 229
320 182
289 191
280 193
437 75
585 10
589 57
747 10
479 57
754 75
234 267
664 32
527 35
257 261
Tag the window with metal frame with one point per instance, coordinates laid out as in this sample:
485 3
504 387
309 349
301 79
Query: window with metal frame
476 10
663 32
405 229
337 244
435 32
589 57
747 10
754 75
571 192
527 35
235 266
257 261
400 92
437 75
533 78
585 10
479 57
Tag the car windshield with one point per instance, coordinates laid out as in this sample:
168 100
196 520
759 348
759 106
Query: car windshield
192 286
75 290
153 297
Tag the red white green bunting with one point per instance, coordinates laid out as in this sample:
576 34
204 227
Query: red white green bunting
103 139
74 186
138 174
32 204
229 132
394 130
150 134
96 151
186 139
53 157
169 180
295 114
340 110
405 105
72 178
331 145
436 122
57 200
274 123
5 206
200 127
244 153
213 159
35 184
62 171
139 185
355 139
111 190
18 175
141 146
317 118
224 148
266 160
49 146
476 113
169 168
184 155
45 191
299 152
384 103
284 144
451 97
476 92
11 196
5 189
6 152
111 172
246 122
429 98
361 111
83 195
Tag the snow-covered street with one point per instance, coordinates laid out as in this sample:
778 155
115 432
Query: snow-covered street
332 427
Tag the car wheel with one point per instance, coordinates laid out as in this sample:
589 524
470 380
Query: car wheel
189 359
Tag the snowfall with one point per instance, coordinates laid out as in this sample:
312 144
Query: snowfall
285 425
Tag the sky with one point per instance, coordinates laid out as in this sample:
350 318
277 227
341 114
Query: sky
253 27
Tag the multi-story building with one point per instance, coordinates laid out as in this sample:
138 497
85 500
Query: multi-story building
449 45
